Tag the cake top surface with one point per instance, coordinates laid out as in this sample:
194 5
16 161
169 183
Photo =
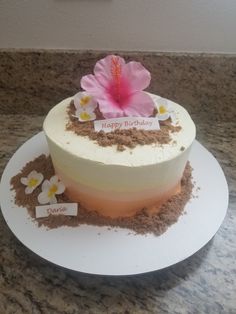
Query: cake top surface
141 155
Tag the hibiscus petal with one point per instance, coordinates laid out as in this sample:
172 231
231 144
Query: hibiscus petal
138 77
103 69
91 85
43 198
109 108
141 104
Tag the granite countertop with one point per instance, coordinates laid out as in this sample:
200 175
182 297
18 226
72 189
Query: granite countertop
204 283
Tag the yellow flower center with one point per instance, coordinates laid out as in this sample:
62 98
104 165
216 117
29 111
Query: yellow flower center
85 100
52 190
162 109
32 182
85 116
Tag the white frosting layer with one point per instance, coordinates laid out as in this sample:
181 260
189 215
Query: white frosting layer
141 155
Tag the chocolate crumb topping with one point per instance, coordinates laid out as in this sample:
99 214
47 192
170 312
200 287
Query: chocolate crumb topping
121 138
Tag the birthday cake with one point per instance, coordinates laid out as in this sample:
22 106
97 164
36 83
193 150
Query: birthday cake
116 150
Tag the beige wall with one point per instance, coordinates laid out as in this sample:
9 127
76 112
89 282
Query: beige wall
149 25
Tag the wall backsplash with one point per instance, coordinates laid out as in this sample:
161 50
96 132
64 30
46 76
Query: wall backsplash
33 81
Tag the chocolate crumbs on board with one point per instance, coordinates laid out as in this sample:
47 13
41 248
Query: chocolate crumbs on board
122 138
142 222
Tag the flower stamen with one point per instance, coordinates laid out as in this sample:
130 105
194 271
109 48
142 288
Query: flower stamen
85 116
53 189
85 100
162 109
116 74
32 182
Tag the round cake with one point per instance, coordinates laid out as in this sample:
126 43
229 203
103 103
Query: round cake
118 183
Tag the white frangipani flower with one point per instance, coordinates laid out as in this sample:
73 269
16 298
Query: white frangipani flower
50 188
33 180
85 106
165 111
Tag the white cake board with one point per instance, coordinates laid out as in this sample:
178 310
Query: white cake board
98 250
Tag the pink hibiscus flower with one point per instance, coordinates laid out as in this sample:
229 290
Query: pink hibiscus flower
118 88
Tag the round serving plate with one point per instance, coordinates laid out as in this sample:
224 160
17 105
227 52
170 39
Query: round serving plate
109 251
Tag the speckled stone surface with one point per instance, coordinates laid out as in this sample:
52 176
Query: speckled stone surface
32 82
204 283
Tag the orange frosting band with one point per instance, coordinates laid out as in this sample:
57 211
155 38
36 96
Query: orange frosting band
115 204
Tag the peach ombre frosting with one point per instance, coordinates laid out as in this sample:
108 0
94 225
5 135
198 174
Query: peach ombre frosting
112 182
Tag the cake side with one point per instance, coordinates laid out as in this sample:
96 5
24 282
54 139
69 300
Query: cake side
118 183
